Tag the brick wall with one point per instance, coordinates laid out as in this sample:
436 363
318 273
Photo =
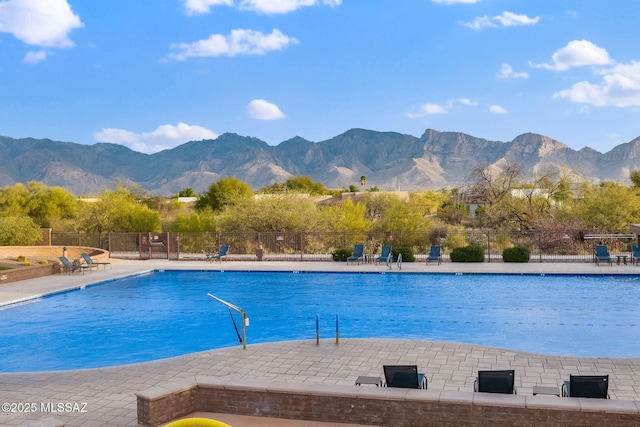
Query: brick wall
23 273
376 406
160 405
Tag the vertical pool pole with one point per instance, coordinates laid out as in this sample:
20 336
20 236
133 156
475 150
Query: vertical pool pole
317 329
337 331
245 323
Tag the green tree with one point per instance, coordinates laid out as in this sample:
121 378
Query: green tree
512 203
118 211
363 182
347 216
14 200
225 192
43 204
140 218
634 176
198 221
609 206
402 216
19 231
428 202
297 184
377 204
493 185
277 213
187 192
304 184
47 204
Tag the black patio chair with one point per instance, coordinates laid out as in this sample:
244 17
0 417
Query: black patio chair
593 386
495 382
404 376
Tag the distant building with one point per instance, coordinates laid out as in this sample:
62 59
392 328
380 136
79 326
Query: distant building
187 199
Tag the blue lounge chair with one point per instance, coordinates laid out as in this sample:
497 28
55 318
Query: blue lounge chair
222 254
635 254
594 386
404 376
358 253
384 255
92 263
602 254
495 382
70 267
434 255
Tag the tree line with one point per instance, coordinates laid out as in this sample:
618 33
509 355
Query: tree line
491 199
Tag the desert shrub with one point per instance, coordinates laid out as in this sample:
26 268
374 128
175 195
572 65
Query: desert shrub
44 261
478 240
407 254
26 263
21 258
471 253
341 254
516 254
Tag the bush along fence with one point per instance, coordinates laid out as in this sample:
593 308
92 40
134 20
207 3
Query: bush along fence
542 245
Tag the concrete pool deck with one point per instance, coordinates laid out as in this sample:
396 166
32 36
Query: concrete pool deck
109 393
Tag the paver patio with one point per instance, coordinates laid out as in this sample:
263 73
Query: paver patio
109 392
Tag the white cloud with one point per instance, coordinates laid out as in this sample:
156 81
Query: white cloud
44 23
430 109
577 53
197 7
480 22
434 109
162 138
497 109
510 19
263 110
239 42
455 1
467 101
620 87
282 6
35 56
507 19
506 72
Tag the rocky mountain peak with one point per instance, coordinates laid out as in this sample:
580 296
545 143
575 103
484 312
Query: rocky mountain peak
389 160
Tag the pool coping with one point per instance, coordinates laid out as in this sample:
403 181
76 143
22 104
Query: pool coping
163 269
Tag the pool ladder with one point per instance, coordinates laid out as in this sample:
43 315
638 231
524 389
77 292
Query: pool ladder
398 261
318 329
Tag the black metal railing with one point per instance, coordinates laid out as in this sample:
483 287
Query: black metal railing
545 245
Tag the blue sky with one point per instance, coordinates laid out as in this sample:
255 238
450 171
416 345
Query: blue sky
154 74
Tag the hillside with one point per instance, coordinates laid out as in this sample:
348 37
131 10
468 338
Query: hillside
389 160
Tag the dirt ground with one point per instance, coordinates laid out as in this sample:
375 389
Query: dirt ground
35 254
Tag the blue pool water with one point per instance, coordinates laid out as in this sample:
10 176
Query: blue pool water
166 314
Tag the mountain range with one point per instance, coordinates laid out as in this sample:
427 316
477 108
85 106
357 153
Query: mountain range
389 160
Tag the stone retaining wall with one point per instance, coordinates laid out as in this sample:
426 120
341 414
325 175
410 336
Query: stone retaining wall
376 406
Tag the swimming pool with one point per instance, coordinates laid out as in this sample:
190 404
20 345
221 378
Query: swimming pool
168 313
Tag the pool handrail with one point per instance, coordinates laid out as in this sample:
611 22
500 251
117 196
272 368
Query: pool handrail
243 314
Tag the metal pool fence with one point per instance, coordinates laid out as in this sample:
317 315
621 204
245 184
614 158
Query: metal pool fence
555 245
